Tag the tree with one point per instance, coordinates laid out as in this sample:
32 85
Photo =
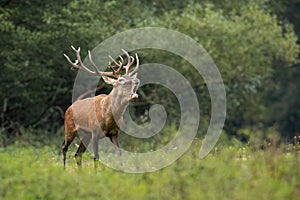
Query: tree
283 100
244 49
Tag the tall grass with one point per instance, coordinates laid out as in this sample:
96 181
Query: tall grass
227 173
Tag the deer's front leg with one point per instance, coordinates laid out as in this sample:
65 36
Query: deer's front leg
95 140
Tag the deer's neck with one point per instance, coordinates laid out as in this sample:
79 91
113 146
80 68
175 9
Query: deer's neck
118 103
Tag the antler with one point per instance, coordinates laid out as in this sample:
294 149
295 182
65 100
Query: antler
130 61
120 65
79 64
115 73
136 67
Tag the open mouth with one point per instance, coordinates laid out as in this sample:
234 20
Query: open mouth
134 95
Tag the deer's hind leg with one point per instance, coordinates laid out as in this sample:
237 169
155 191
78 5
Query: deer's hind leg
65 145
85 138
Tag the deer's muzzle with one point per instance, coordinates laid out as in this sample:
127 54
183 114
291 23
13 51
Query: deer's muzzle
134 96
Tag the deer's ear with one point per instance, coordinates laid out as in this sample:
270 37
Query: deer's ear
109 80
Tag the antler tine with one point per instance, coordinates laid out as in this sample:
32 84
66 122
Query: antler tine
122 60
111 67
74 65
137 65
79 61
115 72
79 64
94 65
116 63
99 72
119 64
129 62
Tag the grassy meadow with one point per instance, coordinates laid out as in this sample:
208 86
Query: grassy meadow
229 172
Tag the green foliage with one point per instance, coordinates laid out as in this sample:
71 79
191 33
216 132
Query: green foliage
231 173
284 110
244 49
250 41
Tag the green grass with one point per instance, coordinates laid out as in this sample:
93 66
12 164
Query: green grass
229 173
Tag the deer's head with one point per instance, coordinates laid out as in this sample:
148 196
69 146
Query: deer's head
124 85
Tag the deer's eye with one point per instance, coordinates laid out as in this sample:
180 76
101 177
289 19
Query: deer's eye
136 81
122 80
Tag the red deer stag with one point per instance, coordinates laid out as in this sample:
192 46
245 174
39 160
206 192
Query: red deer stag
100 116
